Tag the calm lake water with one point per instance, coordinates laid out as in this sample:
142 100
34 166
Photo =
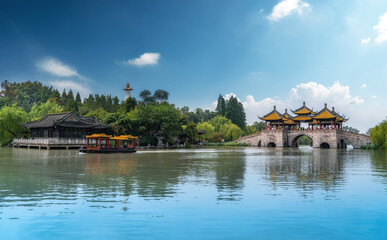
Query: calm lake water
220 193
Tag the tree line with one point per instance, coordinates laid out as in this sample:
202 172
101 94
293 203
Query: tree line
150 116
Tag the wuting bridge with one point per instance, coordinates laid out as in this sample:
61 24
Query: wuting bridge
324 128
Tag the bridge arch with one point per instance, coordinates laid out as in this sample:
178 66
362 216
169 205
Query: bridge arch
259 143
325 145
294 141
271 144
296 135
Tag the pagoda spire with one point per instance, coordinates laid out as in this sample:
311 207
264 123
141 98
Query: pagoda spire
127 91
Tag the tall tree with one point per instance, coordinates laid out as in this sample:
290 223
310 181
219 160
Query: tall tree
78 98
235 112
146 96
221 106
161 96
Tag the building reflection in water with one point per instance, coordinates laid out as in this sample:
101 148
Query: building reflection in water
230 173
319 169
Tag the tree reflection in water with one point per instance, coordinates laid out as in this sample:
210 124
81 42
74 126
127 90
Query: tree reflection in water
308 171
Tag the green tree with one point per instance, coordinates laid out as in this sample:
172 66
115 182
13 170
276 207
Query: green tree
99 113
221 106
350 129
78 99
7 91
11 119
129 104
259 125
163 119
39 110
218 121
160 96
191 130
249 130
146 96
235 112
379 135
208 128
231 132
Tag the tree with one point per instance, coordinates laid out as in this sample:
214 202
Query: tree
230 132
11 119
146 96
379 135
249 130
235 112
129 104
350 129
221 106
99 113
78 99
259 125
160 96
7 91
192 131
208 128
154 119
218 121
39 110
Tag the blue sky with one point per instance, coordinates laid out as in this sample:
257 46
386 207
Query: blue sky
264 52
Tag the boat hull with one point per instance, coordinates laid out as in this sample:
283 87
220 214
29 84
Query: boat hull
106 150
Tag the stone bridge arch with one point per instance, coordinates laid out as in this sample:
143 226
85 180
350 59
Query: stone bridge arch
294 136
357 140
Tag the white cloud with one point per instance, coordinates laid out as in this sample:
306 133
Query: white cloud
381 28
83 90
261 11
365 41
373 97
287 7
364 85
57 68
145 59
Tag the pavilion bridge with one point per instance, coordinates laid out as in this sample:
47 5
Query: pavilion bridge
324 129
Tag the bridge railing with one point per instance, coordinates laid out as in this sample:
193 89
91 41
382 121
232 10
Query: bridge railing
50 141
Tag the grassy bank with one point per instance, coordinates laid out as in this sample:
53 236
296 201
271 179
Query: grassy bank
372 147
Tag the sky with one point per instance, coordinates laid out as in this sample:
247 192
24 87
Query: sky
266 53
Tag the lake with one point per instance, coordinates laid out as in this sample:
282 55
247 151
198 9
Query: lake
209 193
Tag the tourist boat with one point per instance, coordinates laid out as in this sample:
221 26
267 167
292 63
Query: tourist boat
102 143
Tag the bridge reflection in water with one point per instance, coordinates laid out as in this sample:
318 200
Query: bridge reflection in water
167 174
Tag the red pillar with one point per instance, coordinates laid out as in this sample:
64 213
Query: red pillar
99 140
87 143
108 143
134 143
118 143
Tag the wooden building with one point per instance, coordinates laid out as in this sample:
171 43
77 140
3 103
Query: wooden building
66 125
61 130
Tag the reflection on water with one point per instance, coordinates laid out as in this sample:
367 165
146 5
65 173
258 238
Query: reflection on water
185 183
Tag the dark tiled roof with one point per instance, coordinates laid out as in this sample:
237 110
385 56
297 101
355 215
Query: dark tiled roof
59 119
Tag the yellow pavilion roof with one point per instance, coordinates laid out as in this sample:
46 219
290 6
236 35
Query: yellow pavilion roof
303 110
302 118
272 116
102 135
